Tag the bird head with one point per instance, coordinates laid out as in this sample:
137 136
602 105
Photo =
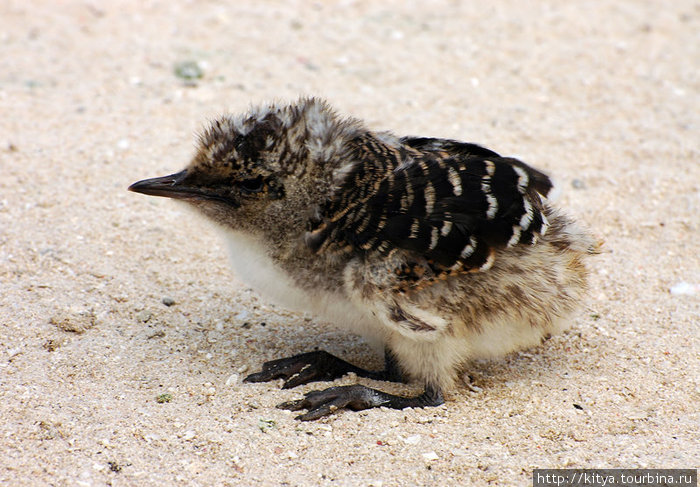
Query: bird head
271 159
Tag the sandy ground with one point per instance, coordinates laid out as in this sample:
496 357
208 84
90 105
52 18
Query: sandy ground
605 96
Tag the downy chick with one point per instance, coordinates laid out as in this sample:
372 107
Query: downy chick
443 251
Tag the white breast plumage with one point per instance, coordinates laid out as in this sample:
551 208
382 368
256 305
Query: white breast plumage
254 267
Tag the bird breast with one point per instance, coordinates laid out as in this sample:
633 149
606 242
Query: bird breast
253 265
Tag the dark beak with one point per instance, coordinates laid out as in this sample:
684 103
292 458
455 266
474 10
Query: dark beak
170 186
177 186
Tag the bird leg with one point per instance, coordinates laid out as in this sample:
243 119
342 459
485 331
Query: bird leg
357 397
320 366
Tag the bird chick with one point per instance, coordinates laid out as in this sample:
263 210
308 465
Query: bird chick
443 251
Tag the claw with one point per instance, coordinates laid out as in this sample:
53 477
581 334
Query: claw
291 405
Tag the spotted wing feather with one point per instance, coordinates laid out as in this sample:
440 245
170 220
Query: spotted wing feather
448 204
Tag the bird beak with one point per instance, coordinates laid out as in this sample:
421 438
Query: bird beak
170 186
177 187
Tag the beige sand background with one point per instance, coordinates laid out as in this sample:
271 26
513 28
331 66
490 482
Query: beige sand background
603 95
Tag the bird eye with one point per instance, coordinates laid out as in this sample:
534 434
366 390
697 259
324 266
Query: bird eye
252 185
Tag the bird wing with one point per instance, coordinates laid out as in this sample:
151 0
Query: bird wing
446 204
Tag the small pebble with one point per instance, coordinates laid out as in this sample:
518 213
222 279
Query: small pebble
431 456
685 289
578 184
412 440
75 320
51 345
242 315
189 435
14 352
168 301
189 71
266 425
163 398
144 315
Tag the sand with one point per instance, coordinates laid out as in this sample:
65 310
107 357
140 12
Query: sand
604 96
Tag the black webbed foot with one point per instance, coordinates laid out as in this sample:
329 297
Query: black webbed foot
320 366
304 368
357 397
